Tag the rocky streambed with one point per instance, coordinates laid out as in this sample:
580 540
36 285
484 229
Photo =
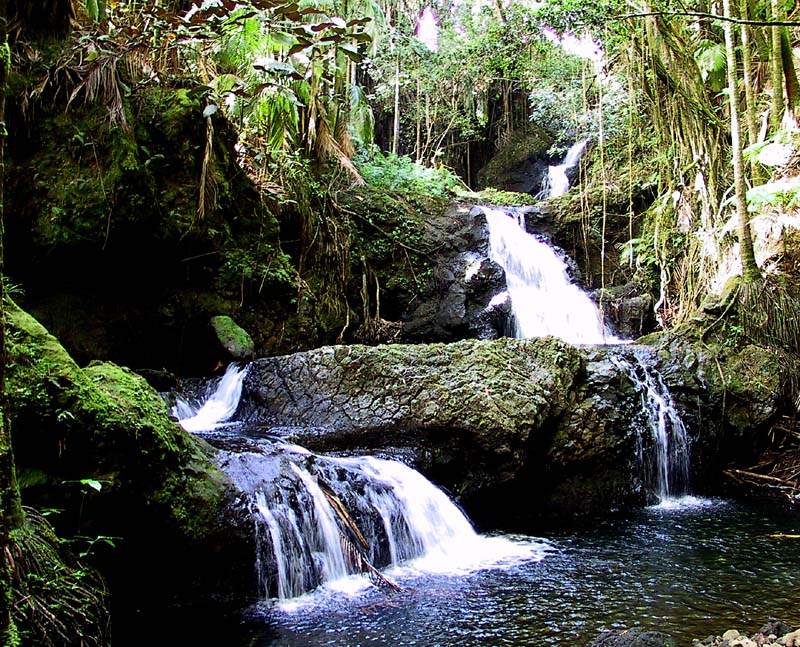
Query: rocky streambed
772 634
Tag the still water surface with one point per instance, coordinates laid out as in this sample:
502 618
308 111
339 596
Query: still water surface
691 570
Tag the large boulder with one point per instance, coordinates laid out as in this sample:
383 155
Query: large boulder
522 430
98 445
516 429
470 409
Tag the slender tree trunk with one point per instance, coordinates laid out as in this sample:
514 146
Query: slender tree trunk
749 266
10 506
789 75
418 155
776 69
396 121
747 75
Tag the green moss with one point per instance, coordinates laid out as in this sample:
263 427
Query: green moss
104 422
503 198
232 337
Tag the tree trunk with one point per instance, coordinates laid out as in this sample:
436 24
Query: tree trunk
747 74
396 120
776 69
749 266
10 506
789 75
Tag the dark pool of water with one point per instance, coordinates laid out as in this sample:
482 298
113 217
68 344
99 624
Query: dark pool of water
689 572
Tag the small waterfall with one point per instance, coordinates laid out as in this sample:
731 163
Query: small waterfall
666 465
219 405
320 519
543 299
556 183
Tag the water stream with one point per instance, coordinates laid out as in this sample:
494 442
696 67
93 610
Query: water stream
689 567
544 300
556 183
666 465
365 551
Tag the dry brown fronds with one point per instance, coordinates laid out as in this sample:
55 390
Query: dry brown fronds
100 83
208 175
327 148
769 313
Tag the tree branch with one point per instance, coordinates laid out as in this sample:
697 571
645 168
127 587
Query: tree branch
709 16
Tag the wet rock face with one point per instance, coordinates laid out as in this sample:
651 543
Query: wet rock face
488 420
459 302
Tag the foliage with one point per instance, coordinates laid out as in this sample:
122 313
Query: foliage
57 601
400 173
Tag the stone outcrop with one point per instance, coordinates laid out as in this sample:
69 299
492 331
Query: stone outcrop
98 445
469 409
517 429
458 301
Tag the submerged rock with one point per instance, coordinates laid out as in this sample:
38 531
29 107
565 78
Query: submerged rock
632 638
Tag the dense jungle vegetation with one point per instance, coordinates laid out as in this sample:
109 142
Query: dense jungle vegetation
277 160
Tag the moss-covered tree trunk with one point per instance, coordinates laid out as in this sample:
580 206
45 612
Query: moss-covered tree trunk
749 266
776 69
10 507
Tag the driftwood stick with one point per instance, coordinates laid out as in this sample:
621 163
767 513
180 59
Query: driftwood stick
762 477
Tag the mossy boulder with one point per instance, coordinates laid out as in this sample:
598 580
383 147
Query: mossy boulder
234 339
98 445
520 164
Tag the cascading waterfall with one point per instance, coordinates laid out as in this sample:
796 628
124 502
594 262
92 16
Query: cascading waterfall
556 182
543 299
666 467
545 302
320 519
219 406
329 518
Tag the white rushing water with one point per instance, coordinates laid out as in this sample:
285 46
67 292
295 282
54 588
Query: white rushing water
320 519
543 299
556 182
409 525
666 466
218 407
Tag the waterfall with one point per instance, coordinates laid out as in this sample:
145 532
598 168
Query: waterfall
543 299
323 519
556 183
666 465
219 405
319 520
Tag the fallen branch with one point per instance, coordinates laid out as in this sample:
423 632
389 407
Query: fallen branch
763 477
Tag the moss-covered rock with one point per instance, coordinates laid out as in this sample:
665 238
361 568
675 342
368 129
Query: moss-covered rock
479 398
233 338
98 445
520 163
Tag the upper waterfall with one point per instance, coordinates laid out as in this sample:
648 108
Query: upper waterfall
219 405
543 299
556 182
